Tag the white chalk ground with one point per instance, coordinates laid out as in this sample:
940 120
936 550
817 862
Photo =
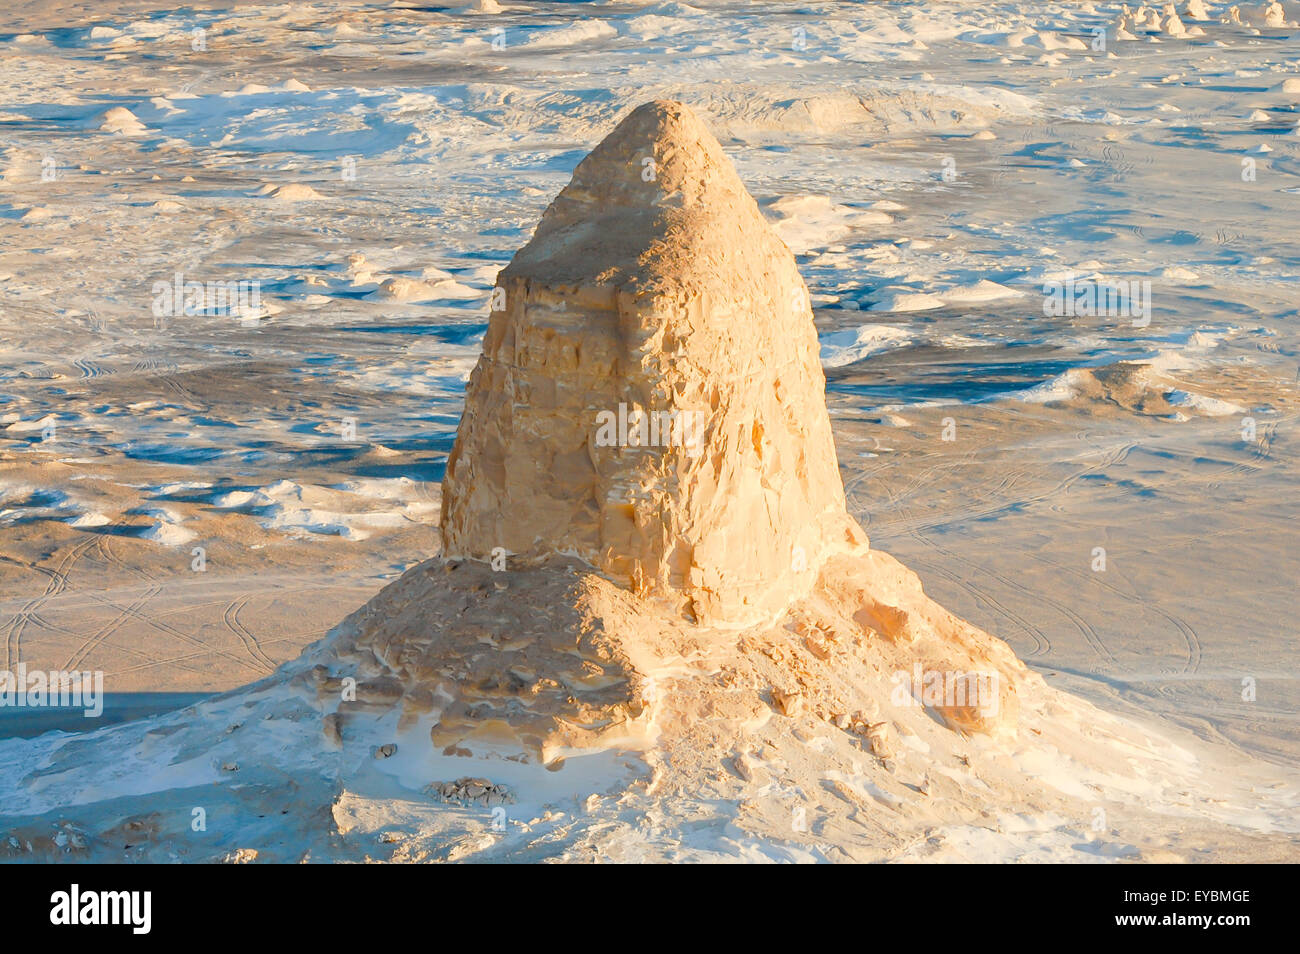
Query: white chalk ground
931 164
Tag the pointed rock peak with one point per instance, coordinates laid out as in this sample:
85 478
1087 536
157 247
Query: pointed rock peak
650 396
655 193
660 154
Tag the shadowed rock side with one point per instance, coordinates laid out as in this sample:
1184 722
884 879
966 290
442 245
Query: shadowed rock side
654 290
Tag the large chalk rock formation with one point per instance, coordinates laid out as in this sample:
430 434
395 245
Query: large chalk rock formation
612 653
649 397
577 702
654 286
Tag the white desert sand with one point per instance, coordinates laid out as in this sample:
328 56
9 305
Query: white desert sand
651 650
291 192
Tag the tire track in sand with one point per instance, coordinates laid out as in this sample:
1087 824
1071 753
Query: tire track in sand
94 641
251 643
1042 644
1085 628
1110 457
1189 634
57 584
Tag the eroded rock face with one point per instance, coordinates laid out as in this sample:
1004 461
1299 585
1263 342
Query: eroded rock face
553 660
649 396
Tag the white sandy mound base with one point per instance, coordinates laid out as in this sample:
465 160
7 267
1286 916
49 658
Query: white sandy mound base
546 714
